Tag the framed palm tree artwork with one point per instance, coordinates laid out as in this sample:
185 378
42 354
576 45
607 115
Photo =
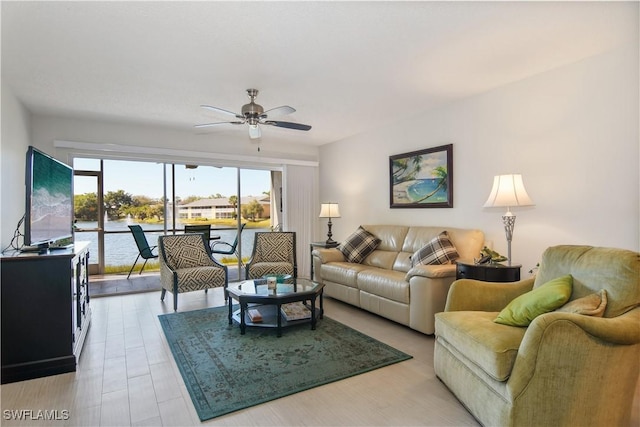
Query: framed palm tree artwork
422 179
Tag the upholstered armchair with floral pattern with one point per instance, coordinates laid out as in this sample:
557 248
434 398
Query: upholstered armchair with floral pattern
186 265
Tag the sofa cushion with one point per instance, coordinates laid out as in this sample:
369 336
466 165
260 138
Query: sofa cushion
403 262
490 346
384 283
591 305
381 259
523 309
357 246
344 273
439 250
391 236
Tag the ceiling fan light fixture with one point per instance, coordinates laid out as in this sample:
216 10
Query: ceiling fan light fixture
254 131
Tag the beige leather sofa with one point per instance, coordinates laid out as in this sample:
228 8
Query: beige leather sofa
565 368
386 284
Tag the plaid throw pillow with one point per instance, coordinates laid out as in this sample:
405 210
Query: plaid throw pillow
360 244
439 250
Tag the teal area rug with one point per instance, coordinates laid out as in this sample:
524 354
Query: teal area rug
225 371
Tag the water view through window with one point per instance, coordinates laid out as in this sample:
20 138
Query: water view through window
120 249
134 193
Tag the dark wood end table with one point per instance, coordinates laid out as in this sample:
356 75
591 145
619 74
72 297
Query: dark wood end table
488 272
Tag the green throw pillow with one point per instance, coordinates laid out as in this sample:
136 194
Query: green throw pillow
543 299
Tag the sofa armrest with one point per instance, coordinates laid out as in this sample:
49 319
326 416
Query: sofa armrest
328 255
475 295
431 271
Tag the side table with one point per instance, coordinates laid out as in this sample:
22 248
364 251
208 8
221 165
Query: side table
319 245
488 272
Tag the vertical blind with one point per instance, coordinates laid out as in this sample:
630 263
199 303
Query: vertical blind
300 210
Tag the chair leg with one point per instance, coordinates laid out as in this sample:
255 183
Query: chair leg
145 263
164 291
134 264
175 302
206 291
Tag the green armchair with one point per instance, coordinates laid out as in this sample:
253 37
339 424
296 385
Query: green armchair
564 369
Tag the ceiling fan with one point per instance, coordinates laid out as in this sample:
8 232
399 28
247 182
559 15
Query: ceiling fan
254 115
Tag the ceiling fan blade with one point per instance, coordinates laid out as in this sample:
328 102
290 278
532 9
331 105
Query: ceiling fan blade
288 125
206 125
254 132
278 111
221 111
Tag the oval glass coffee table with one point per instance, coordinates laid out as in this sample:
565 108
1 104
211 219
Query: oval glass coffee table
269 308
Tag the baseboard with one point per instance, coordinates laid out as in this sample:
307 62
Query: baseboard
37 369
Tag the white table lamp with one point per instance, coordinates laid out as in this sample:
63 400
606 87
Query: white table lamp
508 191
329 210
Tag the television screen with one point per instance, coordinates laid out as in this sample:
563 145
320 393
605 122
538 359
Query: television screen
49 210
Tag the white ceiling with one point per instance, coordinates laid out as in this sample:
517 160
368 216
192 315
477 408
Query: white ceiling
345 66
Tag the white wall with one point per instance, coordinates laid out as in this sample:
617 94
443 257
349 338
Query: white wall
13 149
572 132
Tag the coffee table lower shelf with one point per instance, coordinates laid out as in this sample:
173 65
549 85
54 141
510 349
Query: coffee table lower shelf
269 313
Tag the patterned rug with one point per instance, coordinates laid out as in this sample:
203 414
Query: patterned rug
225 371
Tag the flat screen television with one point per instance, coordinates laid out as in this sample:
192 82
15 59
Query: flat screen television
49 207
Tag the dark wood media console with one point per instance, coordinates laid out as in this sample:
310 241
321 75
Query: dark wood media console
45 312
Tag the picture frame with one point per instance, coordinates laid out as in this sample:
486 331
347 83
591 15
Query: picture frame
422 179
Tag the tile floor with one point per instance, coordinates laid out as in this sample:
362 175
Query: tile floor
126 376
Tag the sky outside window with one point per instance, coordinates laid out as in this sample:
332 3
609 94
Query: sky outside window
145 178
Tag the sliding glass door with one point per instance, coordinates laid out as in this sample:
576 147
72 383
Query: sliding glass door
89 213
163 198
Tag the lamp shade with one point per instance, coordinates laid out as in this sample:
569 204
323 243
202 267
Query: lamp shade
329 210
508 190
